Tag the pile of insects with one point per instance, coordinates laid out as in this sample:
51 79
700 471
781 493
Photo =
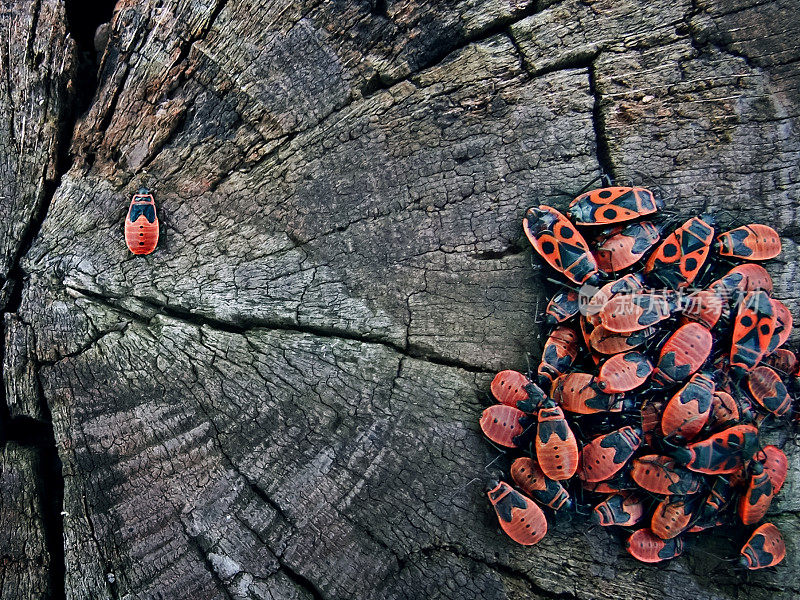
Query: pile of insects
662 372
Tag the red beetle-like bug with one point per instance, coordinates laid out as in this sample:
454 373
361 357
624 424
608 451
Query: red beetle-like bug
751 242
687 412
752 331
579 393
532 480
662 475
765 548
141 224
519 516
682 354
723 453
556 447
678 259
672 517
624 372
769 391
755 501
500 423
605 455
647 547
624 509
612 205
626 246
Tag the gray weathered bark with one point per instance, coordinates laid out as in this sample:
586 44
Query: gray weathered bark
282 400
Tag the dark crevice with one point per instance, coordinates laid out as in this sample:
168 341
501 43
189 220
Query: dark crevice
186 48
598 122
498 254
246 325
299 580
379 8
83 19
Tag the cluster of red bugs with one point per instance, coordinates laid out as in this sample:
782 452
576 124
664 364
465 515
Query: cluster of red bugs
663 370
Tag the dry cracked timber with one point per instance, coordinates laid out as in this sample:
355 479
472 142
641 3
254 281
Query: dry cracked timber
282 400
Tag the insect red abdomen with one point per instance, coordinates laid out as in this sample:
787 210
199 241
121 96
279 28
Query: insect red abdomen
661 475
682 354
671 517
750 242
519 516
765 548
623 509
687 412
632 312
578 393
643 545
705 307
556 447
622 249
775 464
678 259
783 325
752 332
605 455
722 453
141 224
500 423
612 205
528 476
724 410
560 351
509 387
558 241
624 372
611 342
755 278
769 391
755 501
783 361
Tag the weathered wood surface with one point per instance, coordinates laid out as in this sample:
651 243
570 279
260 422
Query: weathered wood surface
282 400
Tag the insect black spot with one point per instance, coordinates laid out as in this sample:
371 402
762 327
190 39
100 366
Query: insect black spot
691 264
548 247
747 321
567 232
765 329
604 194
141 243
610 213
670 250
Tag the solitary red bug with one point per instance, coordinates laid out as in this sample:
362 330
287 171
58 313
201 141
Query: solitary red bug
559 353
662 475
563 306
605 455
682 354
775 464
632 312
560 243
556 447
754 503
500 423
624 372
752 331
626 246
532 480
769 391
672 517
519 516
678 259
751 242
687 412
141 224
765 548
645 546
612 205
722 453
624 509
579 393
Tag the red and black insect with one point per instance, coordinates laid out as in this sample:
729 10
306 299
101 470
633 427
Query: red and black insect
532 480
672 516
560 244
783 361
626 246
605 455
647 547
755 501
706 307
722 453
519 516
783 325
677 261
752 331
562 307
682 354
624 372
141 224
625 285
632 312
612 205
775 464
765 548
769 391
515 389
501 424
579 393
725 411
750 242
611 342
624 509
755 277
687 412
559 354
556 447
662 475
